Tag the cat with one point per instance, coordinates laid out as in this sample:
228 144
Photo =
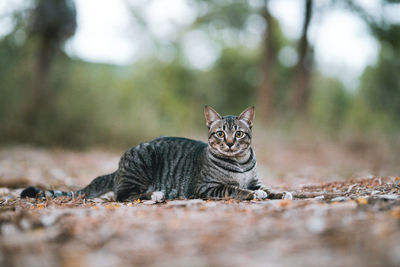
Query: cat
174 167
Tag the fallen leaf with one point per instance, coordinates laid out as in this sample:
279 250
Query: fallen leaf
395 213
285 202
203 208
362 201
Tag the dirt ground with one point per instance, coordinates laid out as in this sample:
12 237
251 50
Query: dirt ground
346 212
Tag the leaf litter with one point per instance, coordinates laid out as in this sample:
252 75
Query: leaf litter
354 222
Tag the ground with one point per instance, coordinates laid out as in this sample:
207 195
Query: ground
346 212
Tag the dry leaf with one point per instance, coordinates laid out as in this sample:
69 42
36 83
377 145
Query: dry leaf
285 202
362 201
395 213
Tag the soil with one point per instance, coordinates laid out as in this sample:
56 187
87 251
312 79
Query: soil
345 212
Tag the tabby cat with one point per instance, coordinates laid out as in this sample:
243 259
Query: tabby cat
173 167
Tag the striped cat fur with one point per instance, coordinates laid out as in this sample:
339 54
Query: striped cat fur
173 167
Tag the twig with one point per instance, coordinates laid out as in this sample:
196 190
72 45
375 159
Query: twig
303 195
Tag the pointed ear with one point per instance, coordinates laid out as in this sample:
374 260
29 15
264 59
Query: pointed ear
248 116
211 115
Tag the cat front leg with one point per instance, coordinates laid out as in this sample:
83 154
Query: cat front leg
156 196
221 191
257 186
271 194
260 194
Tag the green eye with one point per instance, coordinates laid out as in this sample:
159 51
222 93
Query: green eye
239 134
220 134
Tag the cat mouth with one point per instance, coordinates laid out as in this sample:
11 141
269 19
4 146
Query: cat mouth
229 152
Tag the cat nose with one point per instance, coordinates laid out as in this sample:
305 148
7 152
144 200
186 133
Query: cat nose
229 142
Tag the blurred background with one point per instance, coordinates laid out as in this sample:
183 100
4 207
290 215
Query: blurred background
81 73
81 81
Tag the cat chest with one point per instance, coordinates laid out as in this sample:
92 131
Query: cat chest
244 178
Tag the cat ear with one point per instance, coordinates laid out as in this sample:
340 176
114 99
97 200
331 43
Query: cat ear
248 115
211 115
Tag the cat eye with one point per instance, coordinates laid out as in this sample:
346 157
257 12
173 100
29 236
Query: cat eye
239 134
220 134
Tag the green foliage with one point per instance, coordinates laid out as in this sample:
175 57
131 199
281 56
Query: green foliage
232 82
329 104
54 19
377 106
98 104
381 83
223 14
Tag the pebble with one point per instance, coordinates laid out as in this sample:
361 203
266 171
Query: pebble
337 199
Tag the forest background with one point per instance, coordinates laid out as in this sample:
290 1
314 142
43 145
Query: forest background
323 76
50 97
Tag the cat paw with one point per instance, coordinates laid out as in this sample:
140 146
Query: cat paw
157 196
265 188
260 194
287 195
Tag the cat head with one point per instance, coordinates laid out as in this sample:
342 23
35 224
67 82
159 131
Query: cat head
229 136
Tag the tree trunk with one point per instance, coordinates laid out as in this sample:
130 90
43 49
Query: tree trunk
38 91
265 94
301 83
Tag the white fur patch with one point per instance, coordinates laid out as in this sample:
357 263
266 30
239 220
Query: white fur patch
157 196
287 195
260 194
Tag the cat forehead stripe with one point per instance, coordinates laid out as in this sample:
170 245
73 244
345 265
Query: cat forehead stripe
230 120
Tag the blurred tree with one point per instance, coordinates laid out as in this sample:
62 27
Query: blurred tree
329 104
236 75
71 102
223 14
53 21
265 95
381 83
301 82
233 16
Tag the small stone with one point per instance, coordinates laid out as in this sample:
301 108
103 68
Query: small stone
25 224
187 202
149 202
338 199
4 191
316 224
49 219
8 229
350 187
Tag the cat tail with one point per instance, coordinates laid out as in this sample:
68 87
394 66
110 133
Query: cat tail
99 186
